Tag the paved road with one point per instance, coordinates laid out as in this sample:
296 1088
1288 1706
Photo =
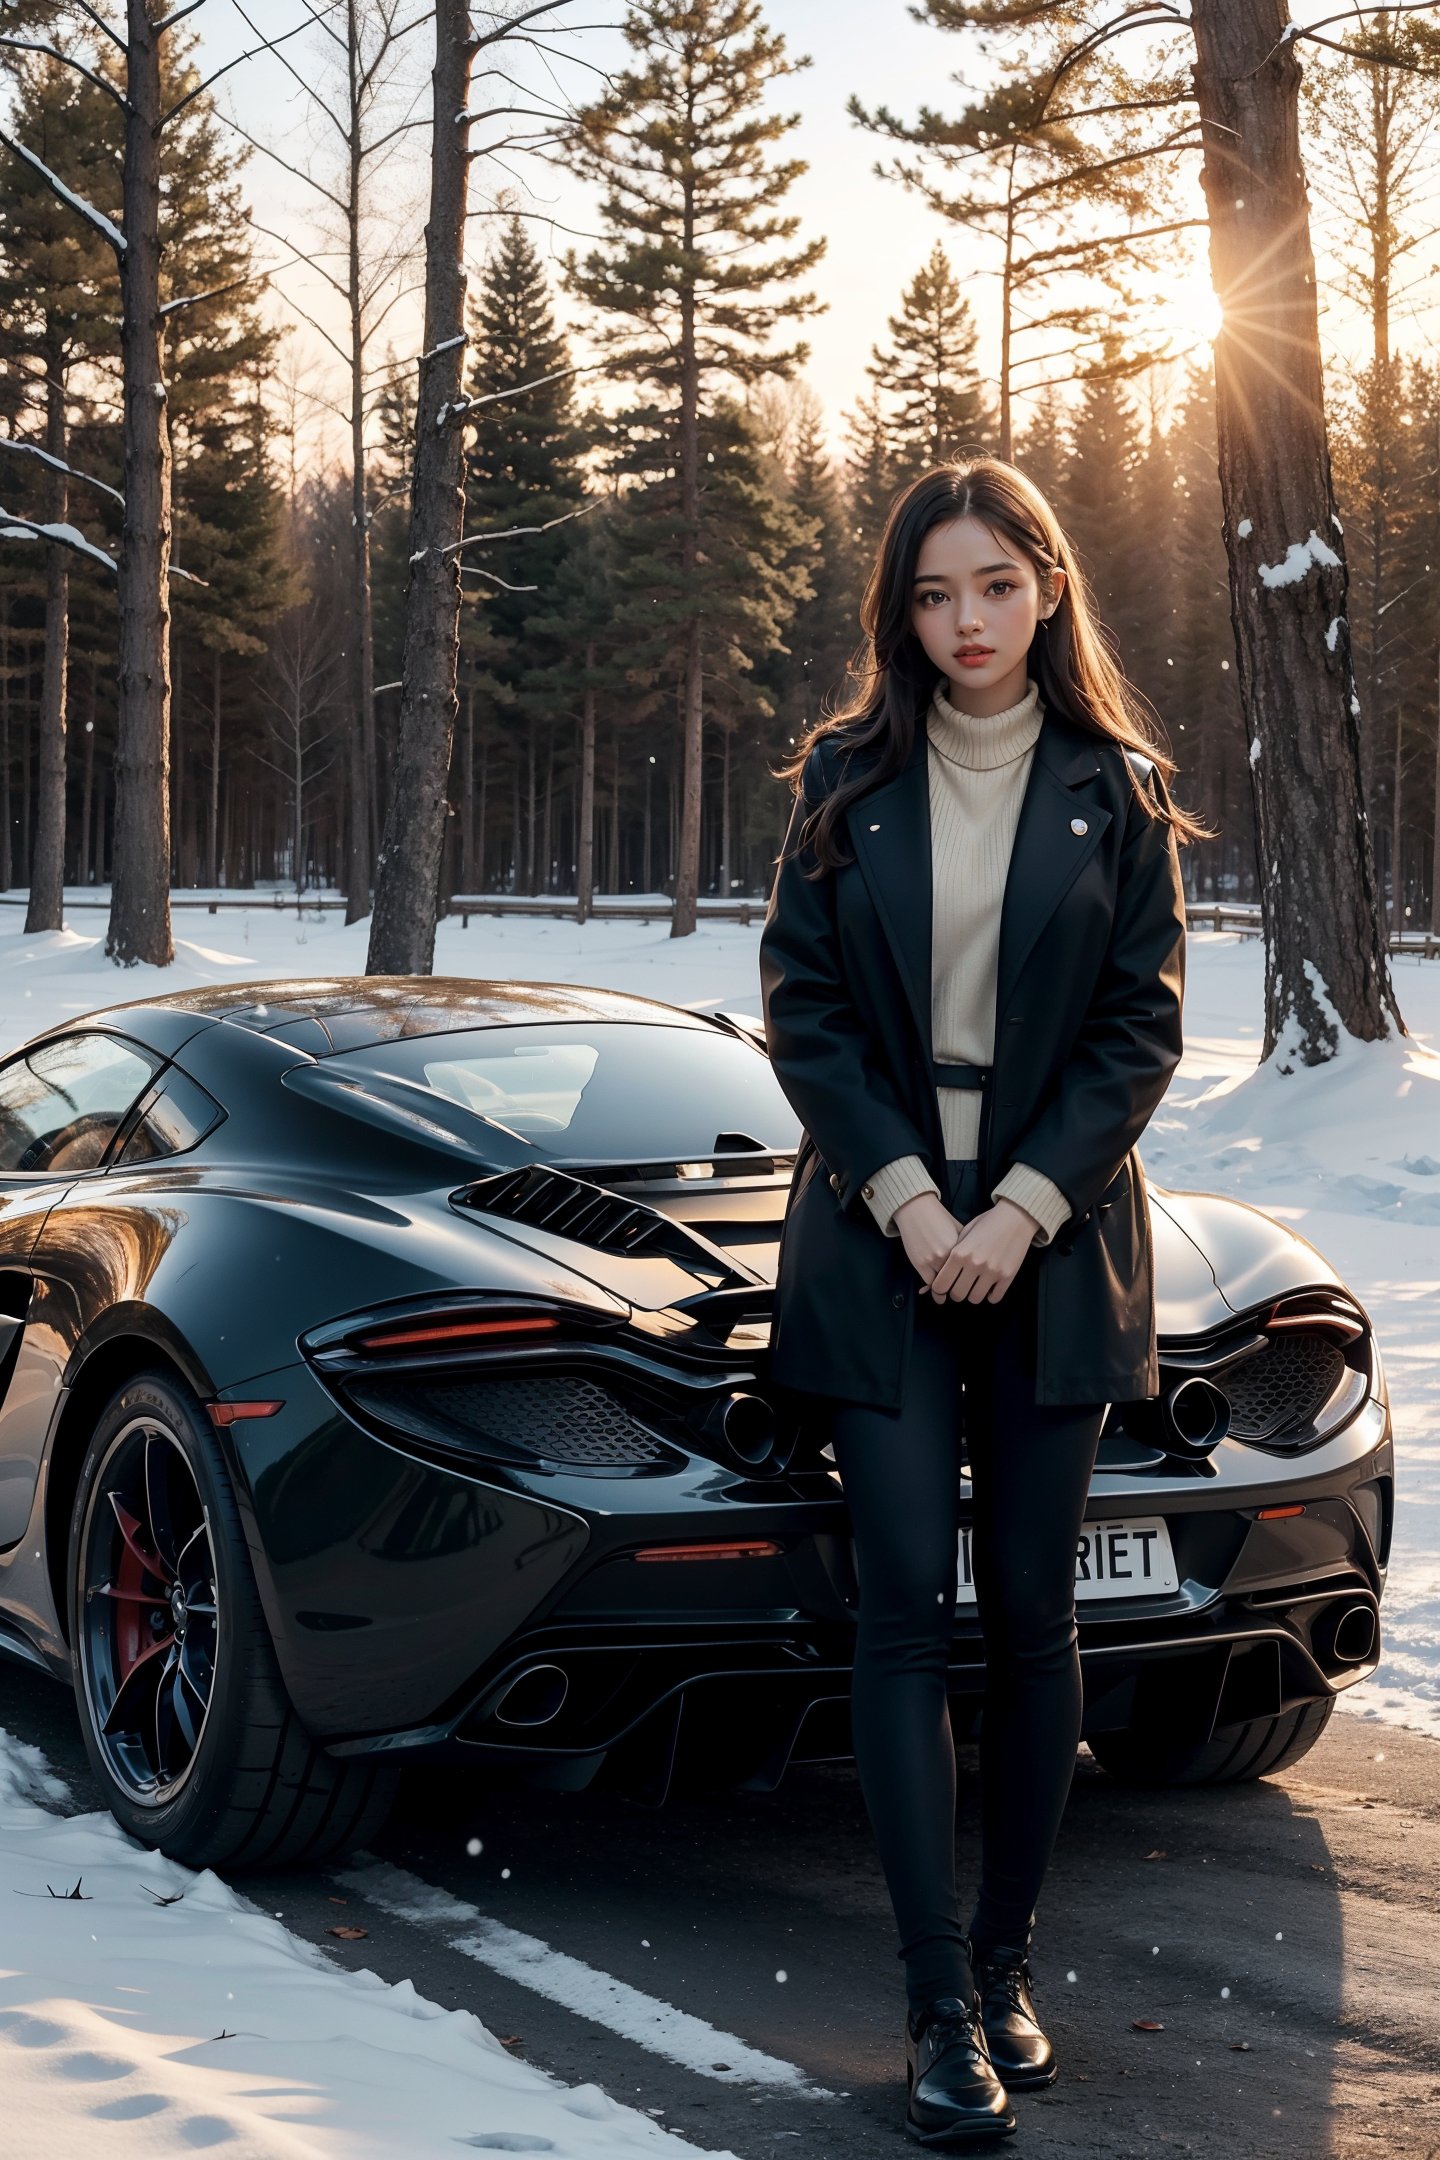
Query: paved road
1314 1898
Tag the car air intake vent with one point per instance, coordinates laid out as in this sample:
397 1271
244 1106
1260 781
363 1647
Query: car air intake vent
1283 1388
561 1420
572 1207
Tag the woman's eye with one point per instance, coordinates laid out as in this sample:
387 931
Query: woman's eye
927 597
1002 585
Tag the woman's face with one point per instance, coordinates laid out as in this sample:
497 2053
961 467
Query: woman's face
974 607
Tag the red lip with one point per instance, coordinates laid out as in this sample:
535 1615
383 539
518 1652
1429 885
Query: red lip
974 652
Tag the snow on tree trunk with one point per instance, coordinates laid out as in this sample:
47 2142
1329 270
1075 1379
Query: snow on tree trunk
402 929
140 874
1326 964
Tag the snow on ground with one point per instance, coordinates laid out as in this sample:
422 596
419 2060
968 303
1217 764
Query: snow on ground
1347 1153
138 2027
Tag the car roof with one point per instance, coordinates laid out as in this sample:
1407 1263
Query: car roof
332 1013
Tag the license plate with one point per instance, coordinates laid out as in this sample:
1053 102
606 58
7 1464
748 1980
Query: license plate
1124 1559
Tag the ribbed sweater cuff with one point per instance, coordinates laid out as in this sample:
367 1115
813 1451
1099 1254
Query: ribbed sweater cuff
904 1179
1038 1195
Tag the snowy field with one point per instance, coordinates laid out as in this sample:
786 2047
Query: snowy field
197 2020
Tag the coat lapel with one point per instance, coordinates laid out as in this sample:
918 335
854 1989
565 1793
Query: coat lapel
889 830
890 833
1047 854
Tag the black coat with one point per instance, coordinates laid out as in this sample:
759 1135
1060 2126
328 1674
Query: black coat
1087 1035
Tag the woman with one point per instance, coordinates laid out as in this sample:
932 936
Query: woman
972 969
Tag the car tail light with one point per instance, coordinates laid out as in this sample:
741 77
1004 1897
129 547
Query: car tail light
716 1549
456 1334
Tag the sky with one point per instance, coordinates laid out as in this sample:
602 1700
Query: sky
878 234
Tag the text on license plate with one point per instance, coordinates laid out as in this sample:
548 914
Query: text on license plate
1113 1560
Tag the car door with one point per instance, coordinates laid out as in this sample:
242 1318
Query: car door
62 1103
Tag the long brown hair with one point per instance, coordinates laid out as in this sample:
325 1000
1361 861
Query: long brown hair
892 679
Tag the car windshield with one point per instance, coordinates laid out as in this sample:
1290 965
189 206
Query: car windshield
600 1092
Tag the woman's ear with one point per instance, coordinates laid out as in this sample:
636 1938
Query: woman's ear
1054 588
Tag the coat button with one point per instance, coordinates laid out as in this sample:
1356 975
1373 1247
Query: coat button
834 1181
1078 825
867 1192
898 1300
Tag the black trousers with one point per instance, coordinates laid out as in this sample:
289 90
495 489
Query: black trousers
971 1372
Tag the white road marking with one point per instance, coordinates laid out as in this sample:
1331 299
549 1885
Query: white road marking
647 2020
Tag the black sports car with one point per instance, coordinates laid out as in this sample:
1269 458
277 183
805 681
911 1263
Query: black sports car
382 1377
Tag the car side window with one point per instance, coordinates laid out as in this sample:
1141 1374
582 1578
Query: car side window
174 1117
62 1104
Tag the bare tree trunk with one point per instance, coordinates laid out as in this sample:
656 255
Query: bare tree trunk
724 879
1397 827
402 931
531 859
467 827
47 866
361 731
140 877
585 839
1326 961
547 844
687 867
1007 329
613 866
1435 829
7 811
212 851
646 877
480 864
85 866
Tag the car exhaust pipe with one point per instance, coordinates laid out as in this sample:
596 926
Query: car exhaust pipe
1194 1419
744 1432
1354 1638
534 1697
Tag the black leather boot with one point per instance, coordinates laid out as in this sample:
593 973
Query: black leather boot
1021 2053
956 2100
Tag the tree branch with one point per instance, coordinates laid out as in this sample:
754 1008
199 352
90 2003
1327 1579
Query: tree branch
516 532
87 210
24 449
267 45
101 24
13 527
53 52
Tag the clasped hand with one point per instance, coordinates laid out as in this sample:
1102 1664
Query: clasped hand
972 1263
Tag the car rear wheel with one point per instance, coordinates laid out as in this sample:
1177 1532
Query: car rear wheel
1241 1752
184 1713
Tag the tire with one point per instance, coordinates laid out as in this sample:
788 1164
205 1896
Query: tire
1234 1757
206 1758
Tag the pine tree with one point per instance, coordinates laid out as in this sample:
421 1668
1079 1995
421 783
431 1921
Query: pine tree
1201 705
927 376
871 479
524 466
1041 452
695 276
1060 166
58 303
825 630
1115 550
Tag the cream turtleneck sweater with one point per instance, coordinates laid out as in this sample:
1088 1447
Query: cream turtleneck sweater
978 770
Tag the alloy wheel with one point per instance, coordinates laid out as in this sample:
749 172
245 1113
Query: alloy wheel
149 1612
